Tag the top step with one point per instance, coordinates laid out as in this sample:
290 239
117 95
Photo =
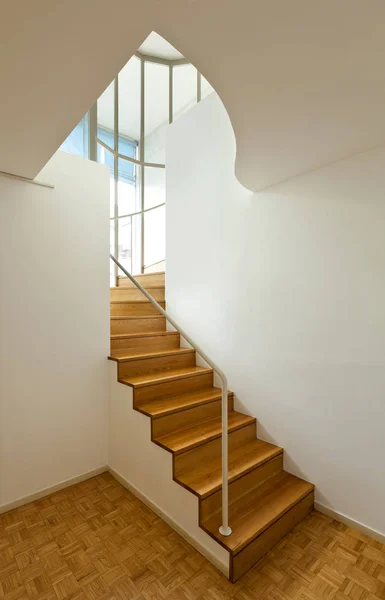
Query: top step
146 280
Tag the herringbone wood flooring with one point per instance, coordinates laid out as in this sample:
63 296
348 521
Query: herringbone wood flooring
96 541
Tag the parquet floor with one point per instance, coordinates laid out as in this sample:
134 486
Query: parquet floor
96 541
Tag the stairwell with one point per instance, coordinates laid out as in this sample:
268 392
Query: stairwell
184 406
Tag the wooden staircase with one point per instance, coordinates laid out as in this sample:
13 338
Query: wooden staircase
179 397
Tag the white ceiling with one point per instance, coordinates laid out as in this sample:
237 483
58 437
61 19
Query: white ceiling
303 82
157 46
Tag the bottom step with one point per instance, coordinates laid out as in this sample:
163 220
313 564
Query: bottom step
244 560
261 518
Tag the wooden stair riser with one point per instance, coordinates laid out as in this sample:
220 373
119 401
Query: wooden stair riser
127 309
187 418
192 458
241 486
123 294
161 408
151 365
183 440
135 325
147 343
246 558
147 281
205 478
175 387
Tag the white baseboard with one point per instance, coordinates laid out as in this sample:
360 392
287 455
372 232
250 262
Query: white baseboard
329 512
50 490
223 567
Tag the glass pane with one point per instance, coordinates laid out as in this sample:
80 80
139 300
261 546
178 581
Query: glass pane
136 244
154 186
154 236
159 266
77 141
206 88
156 111
184 89
106 116
125 243
106 136
129 108
128 187
107 158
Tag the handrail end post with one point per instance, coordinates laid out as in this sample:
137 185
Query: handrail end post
226 531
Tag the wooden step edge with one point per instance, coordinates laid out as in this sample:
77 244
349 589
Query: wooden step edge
276 451
146 334
165 378
209 438
143 275
165 413
149 355
131 317
234 552
133 301
129 289
148 286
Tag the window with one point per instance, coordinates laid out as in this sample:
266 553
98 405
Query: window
78 140
127 132
126 170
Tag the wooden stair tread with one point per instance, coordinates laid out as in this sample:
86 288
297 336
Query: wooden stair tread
124 336
158 286
165 406
127 355
255 512
149 286
134 294
207 478
144 379
185 439
135 275
128 317
134 301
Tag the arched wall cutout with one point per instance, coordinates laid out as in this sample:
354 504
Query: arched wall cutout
302 83
180 53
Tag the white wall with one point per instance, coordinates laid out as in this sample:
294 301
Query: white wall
54 326
286 291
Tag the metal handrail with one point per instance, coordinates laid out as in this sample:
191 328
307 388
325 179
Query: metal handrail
224 529
134 161
154 263
139 212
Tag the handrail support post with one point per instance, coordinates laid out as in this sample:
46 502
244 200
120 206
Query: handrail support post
225 529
